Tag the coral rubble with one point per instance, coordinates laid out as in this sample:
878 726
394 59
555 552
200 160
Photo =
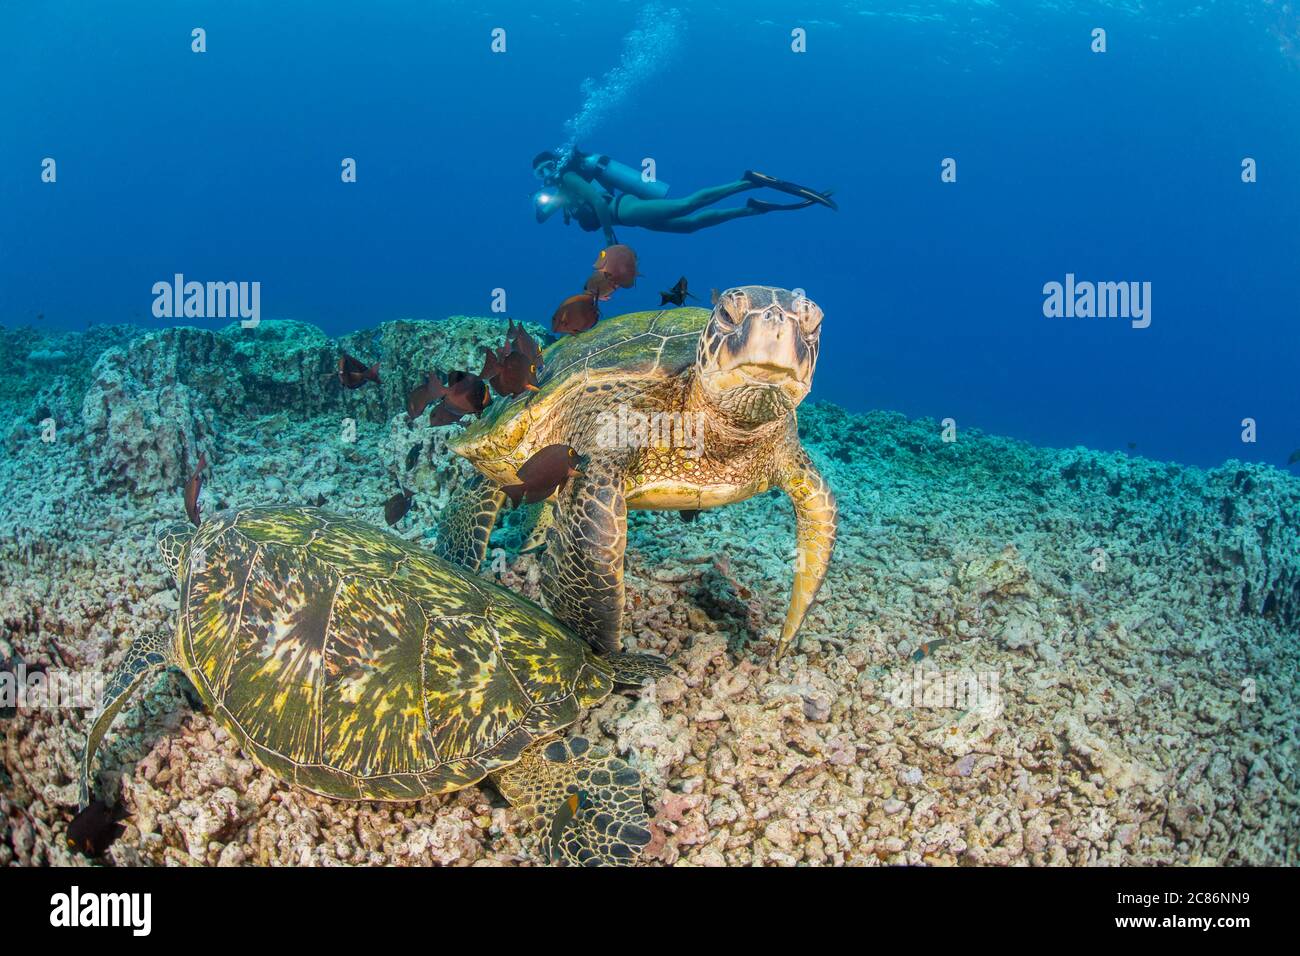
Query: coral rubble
1021 656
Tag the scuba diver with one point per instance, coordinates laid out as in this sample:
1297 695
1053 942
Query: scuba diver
601 194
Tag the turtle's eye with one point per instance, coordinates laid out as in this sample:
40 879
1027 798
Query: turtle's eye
532 368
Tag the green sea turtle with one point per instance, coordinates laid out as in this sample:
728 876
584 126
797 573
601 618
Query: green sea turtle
353 664
677 409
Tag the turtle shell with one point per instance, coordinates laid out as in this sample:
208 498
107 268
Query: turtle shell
639 345
353 664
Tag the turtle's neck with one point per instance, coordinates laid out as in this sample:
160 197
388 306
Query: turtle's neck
725 429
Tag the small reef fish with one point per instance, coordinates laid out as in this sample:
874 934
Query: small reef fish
714 296
569 808
928 648
464 394
93 830
512 369
1295 456
418 398
576 314
352 374
396 507
519 340
413 456
544 474
600 286
11 665
689 515
677 295
619 263
511 373
192 489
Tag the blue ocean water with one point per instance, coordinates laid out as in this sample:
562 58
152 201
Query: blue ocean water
1114 167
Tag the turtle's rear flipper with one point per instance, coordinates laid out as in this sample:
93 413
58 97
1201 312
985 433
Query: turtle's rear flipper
586 802
145 658
467 522
636 669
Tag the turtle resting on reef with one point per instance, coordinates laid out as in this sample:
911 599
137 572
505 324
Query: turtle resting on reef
350 663
677 409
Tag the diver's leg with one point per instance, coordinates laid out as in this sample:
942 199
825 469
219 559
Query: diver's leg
703 219
635 211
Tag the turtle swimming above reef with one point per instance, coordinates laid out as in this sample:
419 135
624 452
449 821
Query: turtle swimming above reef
681 410
353 664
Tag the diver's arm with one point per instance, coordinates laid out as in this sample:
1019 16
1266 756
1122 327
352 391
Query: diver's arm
586 192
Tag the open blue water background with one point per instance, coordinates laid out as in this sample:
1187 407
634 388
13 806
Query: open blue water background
1116 166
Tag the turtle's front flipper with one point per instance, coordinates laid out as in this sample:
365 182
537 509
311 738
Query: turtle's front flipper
815 523
586 802
582 569
467 522
144 659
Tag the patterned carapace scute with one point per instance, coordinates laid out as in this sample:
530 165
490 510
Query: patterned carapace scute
662 343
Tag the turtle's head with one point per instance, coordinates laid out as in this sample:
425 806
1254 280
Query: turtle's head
757 354
171 545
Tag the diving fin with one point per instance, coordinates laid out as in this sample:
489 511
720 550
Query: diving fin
762 205
794 189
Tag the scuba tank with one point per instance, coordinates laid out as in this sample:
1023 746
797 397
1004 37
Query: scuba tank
615 175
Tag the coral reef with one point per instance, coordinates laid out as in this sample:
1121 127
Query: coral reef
1021 656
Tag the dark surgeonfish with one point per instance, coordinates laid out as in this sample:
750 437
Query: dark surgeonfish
413 456
512 369
418 398
619 263
192 489
519 340
600 285
1295 456
10 665
576 314
677 295
352 374
509 372
544 474
568 809
396 507
714 296
464 394
93 830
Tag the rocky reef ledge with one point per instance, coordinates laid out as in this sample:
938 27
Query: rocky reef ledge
1130 627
